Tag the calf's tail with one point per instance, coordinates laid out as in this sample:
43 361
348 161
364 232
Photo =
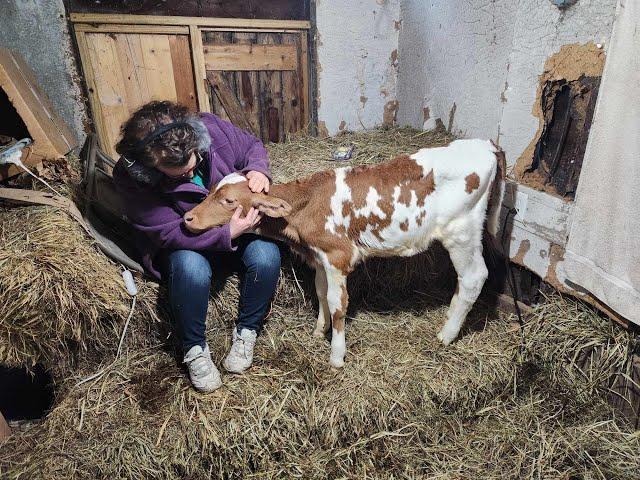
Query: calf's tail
495 198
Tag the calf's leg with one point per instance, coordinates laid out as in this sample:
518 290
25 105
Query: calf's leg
338 300
324 318
472 273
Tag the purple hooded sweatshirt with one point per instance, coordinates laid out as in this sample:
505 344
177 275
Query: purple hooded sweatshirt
156 211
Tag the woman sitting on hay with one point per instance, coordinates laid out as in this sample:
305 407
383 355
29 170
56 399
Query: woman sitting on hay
170 160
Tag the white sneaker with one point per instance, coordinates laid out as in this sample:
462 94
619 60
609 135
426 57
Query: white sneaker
241 354
204 375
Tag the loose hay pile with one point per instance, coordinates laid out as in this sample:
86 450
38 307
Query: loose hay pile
403 406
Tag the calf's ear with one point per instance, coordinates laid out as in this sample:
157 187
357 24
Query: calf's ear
271 206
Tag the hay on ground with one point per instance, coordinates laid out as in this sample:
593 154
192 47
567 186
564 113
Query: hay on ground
496 404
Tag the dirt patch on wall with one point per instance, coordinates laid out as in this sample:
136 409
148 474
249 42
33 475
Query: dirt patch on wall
566 71
390 113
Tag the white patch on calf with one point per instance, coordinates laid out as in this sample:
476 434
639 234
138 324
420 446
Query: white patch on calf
341 195
371 206
234 177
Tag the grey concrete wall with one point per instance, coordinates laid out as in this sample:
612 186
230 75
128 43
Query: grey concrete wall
37 29
485 57
357 47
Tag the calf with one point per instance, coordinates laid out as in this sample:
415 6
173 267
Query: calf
337 218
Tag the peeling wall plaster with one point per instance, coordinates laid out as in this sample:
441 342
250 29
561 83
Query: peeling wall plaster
358 57
486 56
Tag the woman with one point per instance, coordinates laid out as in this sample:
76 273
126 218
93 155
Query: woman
170 160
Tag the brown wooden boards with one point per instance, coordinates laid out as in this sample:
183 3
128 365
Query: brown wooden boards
258 69
51 137
126 70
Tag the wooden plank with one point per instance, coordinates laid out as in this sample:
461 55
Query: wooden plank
117 28
183 71
199 72
237 57
33 106
109 86
129 54
291 101
249 30
5 430
216 105
158 68
229 101
197 21
305 86
248 89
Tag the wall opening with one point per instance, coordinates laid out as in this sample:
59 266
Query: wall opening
568 108
25 395
12 126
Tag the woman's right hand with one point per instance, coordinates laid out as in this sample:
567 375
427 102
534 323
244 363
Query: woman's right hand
239 225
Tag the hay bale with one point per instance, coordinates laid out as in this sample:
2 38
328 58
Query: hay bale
60 295
489 406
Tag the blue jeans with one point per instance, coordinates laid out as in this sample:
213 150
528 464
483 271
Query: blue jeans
189 280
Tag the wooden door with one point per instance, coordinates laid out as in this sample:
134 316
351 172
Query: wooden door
126 70
259 80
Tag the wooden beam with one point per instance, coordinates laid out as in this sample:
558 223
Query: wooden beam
199 71
118 28
197 21
306 87
5 429
230 103
90 79
237 57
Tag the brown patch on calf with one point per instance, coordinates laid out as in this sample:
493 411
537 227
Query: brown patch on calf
342 125
404 226
421 218
402 171
363 100
394 58
473 182
426 114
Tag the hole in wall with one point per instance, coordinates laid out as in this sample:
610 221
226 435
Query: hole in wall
12 125
25 395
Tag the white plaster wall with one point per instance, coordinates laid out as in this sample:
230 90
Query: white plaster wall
454 52
540 30
356 74
485 56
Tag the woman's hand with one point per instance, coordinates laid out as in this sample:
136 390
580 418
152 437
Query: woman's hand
258 182
239 225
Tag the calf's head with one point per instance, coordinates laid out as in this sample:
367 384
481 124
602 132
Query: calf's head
232 192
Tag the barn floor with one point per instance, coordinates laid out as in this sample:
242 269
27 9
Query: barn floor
502 402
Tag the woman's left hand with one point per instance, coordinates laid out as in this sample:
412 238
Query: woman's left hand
258 182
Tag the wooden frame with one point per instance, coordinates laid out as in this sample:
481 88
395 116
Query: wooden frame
235 23
194 27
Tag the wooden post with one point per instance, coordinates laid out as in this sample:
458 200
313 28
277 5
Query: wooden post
197 56
5 429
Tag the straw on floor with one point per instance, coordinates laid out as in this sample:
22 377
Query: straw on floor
499 403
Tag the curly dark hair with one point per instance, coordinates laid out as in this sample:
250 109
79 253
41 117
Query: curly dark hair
171 149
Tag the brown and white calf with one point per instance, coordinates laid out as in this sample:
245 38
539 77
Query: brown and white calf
337 218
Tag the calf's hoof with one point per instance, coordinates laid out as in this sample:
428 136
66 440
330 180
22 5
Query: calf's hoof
336 362
446 337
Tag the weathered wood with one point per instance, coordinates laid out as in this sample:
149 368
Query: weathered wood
250 57
198 21
109 87
291 100
158 66
229 101
274 9
199 72
51 137
305 85
118 28
5 430
183 71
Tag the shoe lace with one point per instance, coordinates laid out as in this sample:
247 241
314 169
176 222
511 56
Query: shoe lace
200 364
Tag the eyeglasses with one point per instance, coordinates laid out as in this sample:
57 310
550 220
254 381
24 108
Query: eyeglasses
188 172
